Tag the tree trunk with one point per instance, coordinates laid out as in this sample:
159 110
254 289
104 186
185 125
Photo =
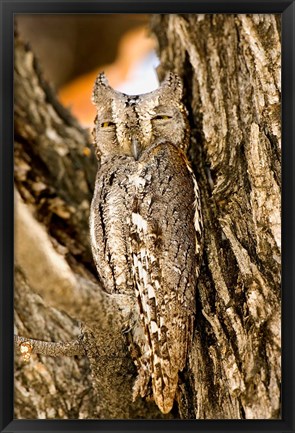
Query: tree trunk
230 66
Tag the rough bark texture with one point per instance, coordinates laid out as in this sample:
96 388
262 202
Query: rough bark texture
230 66
231 69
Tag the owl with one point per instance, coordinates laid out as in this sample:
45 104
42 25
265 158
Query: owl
146 226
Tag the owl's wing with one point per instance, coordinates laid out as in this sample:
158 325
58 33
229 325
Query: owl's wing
163 248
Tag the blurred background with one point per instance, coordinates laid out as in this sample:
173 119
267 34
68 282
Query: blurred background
73 49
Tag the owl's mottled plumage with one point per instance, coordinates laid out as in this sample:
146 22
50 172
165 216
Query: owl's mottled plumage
146 226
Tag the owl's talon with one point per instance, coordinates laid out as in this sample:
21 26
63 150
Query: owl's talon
128 325
126 328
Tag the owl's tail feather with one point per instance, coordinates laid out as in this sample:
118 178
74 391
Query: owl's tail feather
164 389
163 386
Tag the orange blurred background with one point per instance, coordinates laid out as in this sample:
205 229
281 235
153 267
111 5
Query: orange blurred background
73 49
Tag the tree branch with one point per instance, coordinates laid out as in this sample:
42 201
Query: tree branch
29 345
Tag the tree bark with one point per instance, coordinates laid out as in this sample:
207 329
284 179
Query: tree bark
230 66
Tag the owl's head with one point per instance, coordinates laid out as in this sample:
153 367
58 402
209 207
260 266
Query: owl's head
128 125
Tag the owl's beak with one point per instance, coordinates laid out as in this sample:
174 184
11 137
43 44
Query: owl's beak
135 148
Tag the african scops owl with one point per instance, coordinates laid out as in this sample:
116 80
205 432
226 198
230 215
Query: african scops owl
146 226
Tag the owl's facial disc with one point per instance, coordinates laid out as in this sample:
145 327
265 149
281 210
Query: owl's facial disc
130 124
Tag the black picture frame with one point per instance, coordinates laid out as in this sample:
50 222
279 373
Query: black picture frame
8 9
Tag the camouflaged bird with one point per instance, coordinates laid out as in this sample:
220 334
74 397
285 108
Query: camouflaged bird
146 226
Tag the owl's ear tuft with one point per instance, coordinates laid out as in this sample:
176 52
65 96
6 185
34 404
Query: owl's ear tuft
102 79
100 83
173 83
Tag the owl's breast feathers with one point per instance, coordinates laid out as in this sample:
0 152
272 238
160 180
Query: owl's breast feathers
145 234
